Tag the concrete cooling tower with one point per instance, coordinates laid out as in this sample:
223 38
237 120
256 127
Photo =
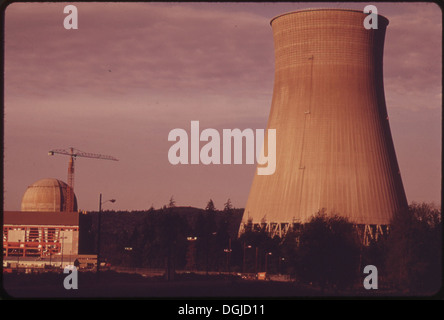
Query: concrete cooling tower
334 149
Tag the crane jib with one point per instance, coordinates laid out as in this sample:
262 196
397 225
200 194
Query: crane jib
78 153
73 153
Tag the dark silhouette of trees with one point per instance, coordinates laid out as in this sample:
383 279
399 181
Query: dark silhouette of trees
289 248
205 229
328 252
210 207
172 203
228 206
257 246
414 249
158 238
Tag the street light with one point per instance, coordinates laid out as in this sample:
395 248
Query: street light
281 260
209 240
63 244
101 203
18 255
98 230
243 264
266 259
228 252
128 251
191 260
255 260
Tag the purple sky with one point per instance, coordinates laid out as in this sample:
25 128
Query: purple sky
133 72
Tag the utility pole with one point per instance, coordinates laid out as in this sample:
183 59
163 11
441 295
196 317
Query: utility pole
255 260
99 225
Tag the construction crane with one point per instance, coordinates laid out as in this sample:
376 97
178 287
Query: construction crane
73 153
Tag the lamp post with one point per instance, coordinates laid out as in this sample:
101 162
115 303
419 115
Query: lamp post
255 260
63 244
128 254
207 248
266 260
281 261
191 263
98 230
228 252
243 262
18 255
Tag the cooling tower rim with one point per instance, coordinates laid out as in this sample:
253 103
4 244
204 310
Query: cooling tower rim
325 9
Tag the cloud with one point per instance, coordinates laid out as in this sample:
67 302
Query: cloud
192 61
412 63
122 48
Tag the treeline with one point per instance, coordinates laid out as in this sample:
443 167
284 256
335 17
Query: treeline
152 238
326 252
329 252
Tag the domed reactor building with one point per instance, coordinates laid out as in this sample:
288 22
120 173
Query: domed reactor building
334 149
42 230
47 195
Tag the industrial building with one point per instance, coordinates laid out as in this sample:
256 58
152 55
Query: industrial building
46 231
41 233
334 149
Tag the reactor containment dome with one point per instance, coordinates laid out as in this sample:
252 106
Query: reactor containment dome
46 195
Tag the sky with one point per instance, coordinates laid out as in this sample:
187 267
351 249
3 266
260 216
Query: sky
132 72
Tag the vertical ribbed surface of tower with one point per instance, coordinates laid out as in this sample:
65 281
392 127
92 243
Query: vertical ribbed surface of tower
334 149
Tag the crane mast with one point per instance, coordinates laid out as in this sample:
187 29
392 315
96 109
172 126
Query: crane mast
73 153
70 189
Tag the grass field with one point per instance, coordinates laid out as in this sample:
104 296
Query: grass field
120 285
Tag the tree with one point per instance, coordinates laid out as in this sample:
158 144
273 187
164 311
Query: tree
228 207
256 245
205 229
172 203
414 250
288 248
210 206
328 252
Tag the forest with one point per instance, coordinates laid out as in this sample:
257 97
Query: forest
326 252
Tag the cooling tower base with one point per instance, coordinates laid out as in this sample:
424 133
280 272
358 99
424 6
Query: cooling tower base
367 232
